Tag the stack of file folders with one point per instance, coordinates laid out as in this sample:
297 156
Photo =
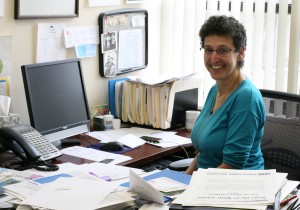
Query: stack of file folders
153 105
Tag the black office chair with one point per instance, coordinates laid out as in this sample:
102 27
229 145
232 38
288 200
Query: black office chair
281 140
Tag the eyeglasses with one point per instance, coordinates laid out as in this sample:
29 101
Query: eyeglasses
220 51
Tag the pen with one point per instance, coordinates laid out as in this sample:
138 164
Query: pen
287 199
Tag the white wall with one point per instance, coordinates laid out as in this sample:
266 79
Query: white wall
24 49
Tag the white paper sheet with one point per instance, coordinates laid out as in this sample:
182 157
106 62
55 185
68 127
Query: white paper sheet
114 135
113 171
131 140
93 154
50 45
130 48
289 186
71 193
81 35
154 206
217 187
169 139
115 198
144 189
22 190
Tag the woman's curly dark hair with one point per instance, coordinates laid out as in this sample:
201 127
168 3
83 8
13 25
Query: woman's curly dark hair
225 26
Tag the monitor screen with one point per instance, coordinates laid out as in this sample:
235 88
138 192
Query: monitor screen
56 99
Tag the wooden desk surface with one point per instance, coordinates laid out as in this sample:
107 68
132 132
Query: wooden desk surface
145 154
140 156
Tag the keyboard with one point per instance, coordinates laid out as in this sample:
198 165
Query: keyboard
157 165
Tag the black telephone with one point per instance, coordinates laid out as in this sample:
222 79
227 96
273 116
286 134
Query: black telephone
27 143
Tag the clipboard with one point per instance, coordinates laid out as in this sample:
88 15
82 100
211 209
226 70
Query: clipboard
123 43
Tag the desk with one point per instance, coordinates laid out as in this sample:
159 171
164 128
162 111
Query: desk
145 154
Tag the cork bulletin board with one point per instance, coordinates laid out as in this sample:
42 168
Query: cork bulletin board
123 43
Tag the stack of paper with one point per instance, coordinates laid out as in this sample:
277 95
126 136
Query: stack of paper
149 101
247 189
72 187
155 80
144 104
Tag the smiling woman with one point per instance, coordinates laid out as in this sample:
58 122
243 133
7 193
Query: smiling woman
29 9
229 130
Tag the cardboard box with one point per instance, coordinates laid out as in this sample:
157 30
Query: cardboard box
11 119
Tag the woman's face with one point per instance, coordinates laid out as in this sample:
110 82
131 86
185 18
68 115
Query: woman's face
222 64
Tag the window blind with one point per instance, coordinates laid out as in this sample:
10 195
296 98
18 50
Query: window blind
267 62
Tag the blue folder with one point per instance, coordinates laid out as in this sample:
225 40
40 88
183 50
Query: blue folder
111 94
175 175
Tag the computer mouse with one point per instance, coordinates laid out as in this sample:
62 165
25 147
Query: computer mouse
112 146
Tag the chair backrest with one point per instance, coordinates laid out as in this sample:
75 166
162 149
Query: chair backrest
281 141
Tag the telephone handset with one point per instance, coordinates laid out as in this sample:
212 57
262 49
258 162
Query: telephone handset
27 143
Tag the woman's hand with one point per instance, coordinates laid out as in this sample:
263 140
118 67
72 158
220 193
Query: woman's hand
192 167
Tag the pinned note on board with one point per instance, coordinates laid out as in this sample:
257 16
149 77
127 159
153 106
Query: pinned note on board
123 44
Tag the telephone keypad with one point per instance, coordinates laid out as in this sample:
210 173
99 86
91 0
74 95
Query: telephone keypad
47 150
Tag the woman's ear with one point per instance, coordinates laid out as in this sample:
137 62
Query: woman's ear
242 53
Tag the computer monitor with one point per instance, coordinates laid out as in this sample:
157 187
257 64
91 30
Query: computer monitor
56 99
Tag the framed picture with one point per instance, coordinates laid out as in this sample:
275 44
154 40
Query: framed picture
30 9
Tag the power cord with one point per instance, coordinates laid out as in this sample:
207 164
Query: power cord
39 165
186 153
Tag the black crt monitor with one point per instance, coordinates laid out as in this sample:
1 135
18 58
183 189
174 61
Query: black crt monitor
56 99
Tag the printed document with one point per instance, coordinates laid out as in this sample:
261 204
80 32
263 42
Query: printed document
211 187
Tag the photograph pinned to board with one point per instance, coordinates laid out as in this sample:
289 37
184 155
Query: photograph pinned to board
110 63
116 21
109 41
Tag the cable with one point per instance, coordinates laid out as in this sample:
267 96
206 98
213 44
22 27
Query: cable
43 166
186 153
2 162
39 165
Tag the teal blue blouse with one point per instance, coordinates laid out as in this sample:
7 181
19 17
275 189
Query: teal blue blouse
234 132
